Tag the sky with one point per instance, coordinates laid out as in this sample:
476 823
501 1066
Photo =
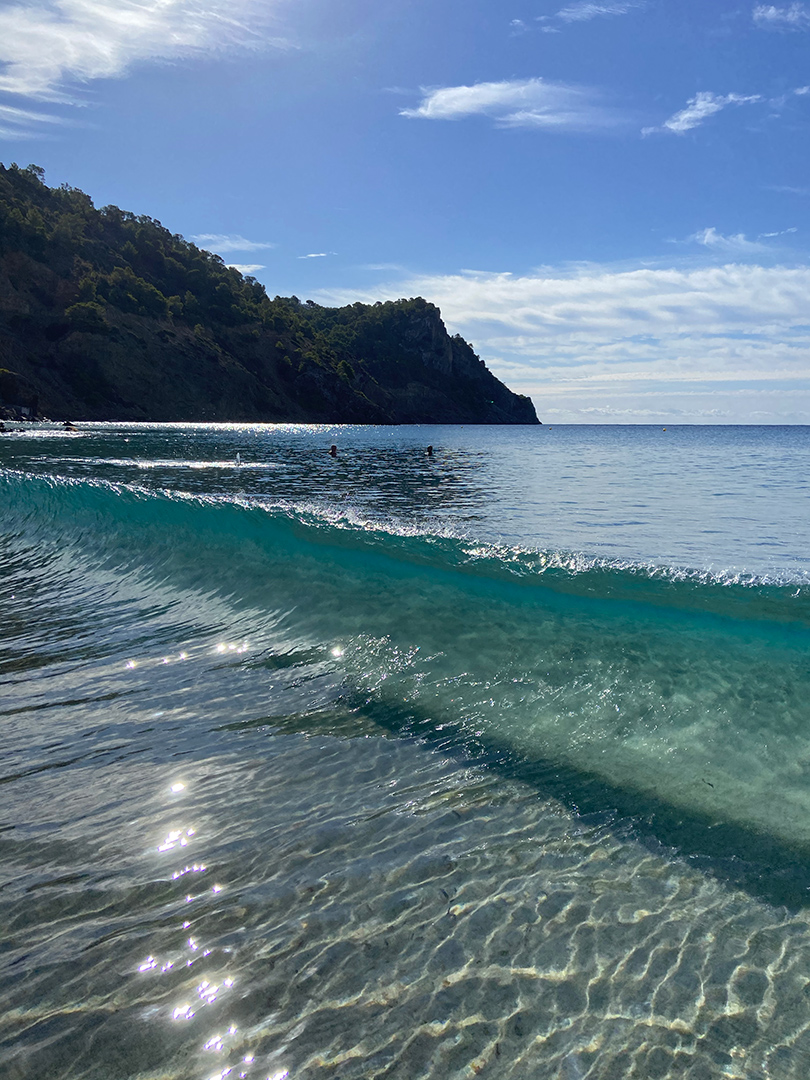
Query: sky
608 198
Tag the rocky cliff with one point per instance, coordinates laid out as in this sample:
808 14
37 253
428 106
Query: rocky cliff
109 316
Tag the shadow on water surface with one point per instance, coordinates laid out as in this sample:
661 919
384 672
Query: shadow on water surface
763 866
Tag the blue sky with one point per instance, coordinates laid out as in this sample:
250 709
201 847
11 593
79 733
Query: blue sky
609 199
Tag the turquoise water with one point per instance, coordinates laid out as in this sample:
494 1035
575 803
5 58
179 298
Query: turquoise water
490 762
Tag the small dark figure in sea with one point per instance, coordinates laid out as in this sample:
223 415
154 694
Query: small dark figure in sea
68 426
430 451
2 428
333 450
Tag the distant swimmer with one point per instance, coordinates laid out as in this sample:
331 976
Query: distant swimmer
69 427
2 428
430 451
333 450
238 458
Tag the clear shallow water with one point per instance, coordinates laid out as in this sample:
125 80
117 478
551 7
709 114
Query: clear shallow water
494 763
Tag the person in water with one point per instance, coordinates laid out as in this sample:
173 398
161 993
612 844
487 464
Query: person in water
430 451
333 450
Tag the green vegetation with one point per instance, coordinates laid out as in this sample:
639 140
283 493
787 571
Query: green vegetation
109 315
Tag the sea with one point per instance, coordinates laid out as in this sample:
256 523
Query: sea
492 761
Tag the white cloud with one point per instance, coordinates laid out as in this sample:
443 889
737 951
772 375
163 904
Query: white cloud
737 244
246 268
318 255
687 339
582 12
793 17
50 46
223 244
733 245
23 123
703 105
790 189
535 103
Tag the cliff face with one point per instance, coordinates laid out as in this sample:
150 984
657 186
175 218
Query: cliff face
108 316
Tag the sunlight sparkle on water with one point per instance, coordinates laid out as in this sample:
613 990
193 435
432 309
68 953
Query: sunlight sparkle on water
197 868
176 837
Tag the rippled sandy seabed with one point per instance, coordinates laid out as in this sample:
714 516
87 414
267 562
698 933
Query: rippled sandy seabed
412 918
235 844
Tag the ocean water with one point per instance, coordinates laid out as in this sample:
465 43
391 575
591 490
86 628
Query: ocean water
492 762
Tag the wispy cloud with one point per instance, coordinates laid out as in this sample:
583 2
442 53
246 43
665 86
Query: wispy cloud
699 108
246 268
223 244
318 255
790 189
737 244
685 341
583 12
778 103
49 47
793 17
24 124
531 103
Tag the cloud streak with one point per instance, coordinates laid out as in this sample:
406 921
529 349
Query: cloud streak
50 47
224 244
530 103
23 123
246 268
584 12
699 108
737 244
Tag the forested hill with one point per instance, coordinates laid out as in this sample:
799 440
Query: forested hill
107 315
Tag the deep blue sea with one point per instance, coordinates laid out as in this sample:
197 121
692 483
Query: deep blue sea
493 762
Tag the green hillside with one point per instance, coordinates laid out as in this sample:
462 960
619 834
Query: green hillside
107 315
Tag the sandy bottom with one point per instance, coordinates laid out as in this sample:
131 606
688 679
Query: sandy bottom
311 906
